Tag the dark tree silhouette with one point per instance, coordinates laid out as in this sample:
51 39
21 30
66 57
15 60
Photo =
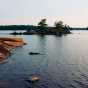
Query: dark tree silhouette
42 26
59 27
42 23
67 29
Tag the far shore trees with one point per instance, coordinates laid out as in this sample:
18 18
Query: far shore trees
43 23
61 28
42 26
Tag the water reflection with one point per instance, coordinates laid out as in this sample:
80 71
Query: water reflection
63 65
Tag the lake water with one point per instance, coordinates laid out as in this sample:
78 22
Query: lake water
64 63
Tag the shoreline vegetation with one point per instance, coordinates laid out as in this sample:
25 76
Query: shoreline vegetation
42 28
7 44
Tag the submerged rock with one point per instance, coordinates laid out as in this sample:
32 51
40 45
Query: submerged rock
35 53
33 79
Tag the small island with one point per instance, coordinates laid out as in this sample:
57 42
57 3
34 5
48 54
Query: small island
42 28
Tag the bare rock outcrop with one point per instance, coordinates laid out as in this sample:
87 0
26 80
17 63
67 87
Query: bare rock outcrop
7 44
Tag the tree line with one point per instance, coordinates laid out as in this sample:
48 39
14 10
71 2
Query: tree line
42 28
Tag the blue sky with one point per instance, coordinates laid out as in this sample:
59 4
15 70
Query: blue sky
72 12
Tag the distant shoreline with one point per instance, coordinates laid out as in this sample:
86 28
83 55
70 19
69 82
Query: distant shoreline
27 27
28 33
32 30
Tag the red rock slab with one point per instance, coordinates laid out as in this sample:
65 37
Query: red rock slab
8 47
14 44
4 50
7 44
2 57
11 39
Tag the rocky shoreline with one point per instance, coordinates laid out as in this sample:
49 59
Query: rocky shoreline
7 44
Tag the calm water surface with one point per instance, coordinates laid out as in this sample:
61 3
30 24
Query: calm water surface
64 63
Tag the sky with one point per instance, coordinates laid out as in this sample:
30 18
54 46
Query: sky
71 12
